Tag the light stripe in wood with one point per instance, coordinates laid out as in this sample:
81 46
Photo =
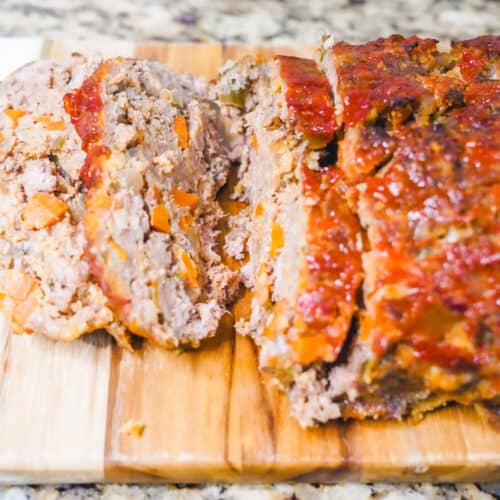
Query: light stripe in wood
53 403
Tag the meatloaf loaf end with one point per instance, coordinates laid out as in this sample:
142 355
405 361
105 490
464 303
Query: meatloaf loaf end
45 285
155 161
372 225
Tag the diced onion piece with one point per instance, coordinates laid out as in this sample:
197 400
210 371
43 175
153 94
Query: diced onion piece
122 254
261 289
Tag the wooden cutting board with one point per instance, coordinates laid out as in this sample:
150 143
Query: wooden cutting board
208 415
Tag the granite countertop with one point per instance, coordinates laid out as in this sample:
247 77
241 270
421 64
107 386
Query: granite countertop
247 21
346 491
269 21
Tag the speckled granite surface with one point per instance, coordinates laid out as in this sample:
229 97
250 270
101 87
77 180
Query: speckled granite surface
347 491
245 20
252 22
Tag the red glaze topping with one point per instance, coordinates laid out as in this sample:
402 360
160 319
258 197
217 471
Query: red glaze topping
363 149
91 169
433 222
381 76
84 106
419 161
333 274
309 99
478 58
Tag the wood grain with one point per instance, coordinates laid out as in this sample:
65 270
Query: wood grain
53 403
207 414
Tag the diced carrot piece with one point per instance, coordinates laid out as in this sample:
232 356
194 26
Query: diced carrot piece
255 143
186 222
14 115
259 210
160 219
189 273
44 209
181 129
184 199
23 310
49 124
18 284
2 137
122 254
310 348
277 239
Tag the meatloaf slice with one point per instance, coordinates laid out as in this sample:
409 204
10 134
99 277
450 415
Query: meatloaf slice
155 160
303 242
373 256
44 277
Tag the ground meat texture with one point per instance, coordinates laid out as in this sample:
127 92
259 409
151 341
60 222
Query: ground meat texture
155 160
373 257
44 277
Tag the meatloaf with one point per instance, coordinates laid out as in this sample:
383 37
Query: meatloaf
370 239
45 285
154 162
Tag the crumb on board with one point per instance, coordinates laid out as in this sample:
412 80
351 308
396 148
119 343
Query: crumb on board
133 428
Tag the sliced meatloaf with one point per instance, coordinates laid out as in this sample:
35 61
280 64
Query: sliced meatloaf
375 277
154 162
296 228
45 285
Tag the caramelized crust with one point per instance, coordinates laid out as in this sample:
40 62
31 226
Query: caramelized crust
309 99
381 77
396 309
329 282
432 220
326 297
431 264
478 58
